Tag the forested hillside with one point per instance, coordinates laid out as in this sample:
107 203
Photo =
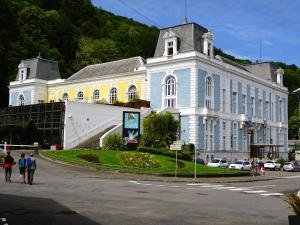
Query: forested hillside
75 33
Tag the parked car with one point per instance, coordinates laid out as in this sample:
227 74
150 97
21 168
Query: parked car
240 165
218 163
272 165
290 166
199 161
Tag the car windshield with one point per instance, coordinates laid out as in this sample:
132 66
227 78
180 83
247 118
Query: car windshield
269 162
215 160
287 164
239 162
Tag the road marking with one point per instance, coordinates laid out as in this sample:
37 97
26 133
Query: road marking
192 188
147 184
175 186
212 186
196 184
239 189
160 185
135 182
3 219
272 194
223 188
290 177
272 185
254 192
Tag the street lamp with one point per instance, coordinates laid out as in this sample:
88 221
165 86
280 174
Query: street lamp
297 91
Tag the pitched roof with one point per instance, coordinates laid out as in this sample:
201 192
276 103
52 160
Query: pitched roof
109 68
190 38
40 68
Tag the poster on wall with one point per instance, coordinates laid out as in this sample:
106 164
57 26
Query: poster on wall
131 128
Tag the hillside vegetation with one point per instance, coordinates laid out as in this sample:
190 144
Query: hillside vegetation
75 33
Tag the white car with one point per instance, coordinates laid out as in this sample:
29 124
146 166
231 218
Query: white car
272 165
240 165
218 163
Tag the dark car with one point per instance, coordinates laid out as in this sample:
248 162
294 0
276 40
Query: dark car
199 161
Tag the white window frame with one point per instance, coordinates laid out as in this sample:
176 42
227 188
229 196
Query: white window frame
113 95
244 108
132 93
96 95
234 102
21 100
80 96
170 91
209 92
224 100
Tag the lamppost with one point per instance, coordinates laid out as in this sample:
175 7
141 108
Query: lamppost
297 91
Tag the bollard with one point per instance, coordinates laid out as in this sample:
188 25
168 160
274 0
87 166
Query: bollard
5 145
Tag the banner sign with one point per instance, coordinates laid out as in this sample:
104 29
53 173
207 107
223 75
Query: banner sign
131 128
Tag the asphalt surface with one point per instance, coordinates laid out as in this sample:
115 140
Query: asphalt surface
68 195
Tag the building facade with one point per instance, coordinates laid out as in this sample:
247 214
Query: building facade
225 109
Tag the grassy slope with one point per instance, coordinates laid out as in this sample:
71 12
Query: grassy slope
112 160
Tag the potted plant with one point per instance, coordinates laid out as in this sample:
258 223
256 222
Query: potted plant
293 200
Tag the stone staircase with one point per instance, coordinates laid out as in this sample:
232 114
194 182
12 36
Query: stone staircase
177 145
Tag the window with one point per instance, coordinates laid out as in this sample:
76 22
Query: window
170 92
96 95
252 106
244 104
233 110
170 48
209 136
21 100
132 93
280 111
80 96
224 135
208 93
235 133
113 95
224 100
65 97
266 111
259 107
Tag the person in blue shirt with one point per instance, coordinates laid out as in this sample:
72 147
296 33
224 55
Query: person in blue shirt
22 167
31 167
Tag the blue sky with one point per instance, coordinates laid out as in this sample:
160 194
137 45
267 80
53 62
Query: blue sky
238 25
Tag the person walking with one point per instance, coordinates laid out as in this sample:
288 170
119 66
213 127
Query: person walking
8 162
31 167
22 167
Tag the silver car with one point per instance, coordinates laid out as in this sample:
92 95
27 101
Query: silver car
290 166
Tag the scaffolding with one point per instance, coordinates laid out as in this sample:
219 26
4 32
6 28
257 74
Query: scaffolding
48 118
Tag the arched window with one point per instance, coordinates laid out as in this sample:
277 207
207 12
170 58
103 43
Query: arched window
132 93
208 93
80 96
65 97
21 100
96 95
170 92
170 86
113 95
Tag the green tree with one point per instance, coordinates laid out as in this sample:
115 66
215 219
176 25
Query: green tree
160 130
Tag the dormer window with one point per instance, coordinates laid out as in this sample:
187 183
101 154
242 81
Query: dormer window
171 43
170 48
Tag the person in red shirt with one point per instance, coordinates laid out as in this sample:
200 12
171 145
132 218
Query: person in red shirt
8 162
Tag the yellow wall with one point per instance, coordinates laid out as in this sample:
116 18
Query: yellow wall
104 86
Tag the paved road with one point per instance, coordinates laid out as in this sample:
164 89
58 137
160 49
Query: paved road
68 195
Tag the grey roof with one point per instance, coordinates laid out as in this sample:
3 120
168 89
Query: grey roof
190 38
232 63
40 68
265 70
109 68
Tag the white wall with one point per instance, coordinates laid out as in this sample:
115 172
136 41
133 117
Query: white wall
84 120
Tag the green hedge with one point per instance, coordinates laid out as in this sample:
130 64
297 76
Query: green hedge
183 154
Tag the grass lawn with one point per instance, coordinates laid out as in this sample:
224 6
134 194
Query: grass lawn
112 160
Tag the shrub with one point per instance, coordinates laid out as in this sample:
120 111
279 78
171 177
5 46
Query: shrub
138 159
113 141
160 130
281 162
294 201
